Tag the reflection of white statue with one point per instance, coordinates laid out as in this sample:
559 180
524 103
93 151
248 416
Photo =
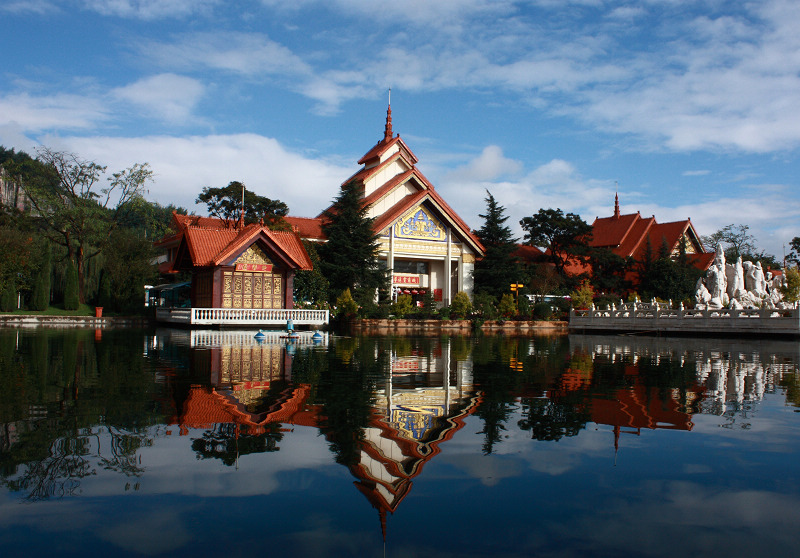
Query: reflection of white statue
741 285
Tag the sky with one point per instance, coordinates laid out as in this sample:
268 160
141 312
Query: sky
686 108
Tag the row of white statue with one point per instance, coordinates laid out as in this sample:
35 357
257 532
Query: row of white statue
739 285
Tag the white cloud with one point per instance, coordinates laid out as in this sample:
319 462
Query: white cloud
40 7
489 165
183 166
149 9
167 96
56 112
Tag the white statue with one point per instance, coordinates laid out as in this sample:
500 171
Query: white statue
742 285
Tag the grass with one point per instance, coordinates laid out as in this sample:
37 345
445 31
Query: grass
83 310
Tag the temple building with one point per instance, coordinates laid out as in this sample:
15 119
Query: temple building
233 267
629 235
422 239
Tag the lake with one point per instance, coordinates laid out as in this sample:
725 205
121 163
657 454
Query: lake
213 443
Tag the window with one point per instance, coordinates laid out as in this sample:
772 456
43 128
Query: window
420 268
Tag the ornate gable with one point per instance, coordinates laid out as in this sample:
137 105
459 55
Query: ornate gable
420 224
253 259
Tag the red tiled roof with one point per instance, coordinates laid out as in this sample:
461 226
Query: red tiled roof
307 227
635 240
701 261
384 190
180 222
383 146
527 253
364 174
210 247
610 232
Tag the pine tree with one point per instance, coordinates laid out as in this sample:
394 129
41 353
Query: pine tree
40 299
498 269
8 297
71 300
349 259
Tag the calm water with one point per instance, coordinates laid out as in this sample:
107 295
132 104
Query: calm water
168 443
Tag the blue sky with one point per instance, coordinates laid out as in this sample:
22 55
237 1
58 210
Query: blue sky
687 108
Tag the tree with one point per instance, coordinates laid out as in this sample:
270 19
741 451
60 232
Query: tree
565 237
349 260
125 270
794 255
736 240
791 291
72 208
543 280
234 200
71 298
669 279
608 271
40 299
498 269
311 286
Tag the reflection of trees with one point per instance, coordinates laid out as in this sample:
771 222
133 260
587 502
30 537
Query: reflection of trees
791 386
56 475
228 441
348 377
550 420
56 387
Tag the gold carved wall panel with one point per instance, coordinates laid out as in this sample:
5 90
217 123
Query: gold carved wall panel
241 289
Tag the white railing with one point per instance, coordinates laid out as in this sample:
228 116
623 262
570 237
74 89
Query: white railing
242 316
662 317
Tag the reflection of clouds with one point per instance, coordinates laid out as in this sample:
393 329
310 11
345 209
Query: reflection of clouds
658 518
168 470
129 534
322 538
518 454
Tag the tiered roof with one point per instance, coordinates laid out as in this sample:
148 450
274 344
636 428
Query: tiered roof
391 149
628 236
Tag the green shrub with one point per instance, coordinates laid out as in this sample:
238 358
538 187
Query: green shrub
461 306
542 311
583 296
507 307
346 307
403 306
484 305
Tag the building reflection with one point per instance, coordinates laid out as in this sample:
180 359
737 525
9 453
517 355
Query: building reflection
668 380
422 401
247 394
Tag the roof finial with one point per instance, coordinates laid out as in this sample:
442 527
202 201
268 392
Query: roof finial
616 202
387 131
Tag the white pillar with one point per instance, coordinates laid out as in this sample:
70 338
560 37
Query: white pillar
448 296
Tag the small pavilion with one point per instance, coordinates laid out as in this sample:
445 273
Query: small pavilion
240 274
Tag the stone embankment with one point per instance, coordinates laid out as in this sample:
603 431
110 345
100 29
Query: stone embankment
35 320
464 327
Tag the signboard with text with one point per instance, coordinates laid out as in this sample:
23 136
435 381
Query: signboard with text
405 279
257 268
